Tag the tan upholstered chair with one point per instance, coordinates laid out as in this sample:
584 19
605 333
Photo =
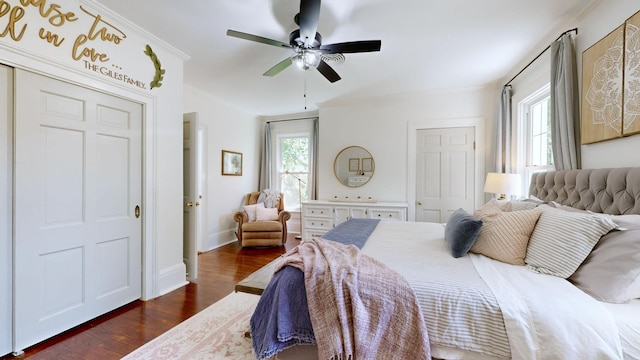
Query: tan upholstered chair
262 233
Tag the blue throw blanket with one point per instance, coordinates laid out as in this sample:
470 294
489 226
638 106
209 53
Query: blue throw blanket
281 318
352 232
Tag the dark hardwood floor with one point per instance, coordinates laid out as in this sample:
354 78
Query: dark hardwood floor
121 331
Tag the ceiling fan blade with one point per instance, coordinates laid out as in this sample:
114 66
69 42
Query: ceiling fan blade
328 72
308 20
352 47
275 70
257 38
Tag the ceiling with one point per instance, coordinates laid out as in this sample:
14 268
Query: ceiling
427 45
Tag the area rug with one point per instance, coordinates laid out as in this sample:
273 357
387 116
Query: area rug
217 332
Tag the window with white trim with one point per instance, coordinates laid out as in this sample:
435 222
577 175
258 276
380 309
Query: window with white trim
291 166
533 148
293 169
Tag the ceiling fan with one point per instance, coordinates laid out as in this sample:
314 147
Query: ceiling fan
306 44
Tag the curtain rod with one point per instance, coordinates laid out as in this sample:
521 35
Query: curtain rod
306 118
542 52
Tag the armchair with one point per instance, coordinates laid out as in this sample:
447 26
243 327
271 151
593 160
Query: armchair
262 232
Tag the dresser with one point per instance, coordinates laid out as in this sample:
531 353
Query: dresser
320 216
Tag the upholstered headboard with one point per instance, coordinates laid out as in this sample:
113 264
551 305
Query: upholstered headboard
610 191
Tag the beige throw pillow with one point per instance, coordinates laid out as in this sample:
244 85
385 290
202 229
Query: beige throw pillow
491 208
505 236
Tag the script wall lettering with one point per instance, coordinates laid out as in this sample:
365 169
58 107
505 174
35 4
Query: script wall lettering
90 46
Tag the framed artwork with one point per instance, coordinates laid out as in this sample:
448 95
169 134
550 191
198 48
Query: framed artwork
231 163
367 164
354 164
631 111
602 66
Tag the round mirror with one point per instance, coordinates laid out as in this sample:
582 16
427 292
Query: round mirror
354 166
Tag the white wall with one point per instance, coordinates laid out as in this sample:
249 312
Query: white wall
603 19
380 125
230 129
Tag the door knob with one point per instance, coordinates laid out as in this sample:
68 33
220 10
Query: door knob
420 203
197 203
190 204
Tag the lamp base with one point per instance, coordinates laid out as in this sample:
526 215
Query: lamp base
502 197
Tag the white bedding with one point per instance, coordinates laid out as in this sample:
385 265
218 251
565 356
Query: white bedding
627 319
418 252
546 317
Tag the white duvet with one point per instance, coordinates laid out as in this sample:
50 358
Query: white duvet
539 316
546 317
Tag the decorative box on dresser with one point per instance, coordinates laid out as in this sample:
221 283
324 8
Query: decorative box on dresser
320 216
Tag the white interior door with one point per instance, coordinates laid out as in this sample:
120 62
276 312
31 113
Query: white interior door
6 249
192 197
445 169
78 189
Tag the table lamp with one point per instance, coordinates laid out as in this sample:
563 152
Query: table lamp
502 184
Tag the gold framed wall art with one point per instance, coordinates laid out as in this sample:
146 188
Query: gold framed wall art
631 90
602 74
231 163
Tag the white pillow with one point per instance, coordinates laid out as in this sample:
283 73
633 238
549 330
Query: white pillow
251 210
266 214
562 240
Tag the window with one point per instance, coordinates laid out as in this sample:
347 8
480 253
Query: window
291 153
534 135
293 168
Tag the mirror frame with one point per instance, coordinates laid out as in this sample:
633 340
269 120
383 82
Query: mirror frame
348 162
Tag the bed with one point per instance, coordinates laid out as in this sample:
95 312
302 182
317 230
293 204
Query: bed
567 287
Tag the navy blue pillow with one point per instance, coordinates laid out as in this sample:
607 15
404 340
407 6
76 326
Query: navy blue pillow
461 232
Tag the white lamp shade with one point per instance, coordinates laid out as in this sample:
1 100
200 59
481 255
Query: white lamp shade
506 184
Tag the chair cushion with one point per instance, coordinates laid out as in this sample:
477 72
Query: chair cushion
262 226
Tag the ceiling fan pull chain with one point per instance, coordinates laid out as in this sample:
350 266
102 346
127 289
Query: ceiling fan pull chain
305 90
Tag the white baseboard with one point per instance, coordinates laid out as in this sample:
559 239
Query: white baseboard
172 278
220 239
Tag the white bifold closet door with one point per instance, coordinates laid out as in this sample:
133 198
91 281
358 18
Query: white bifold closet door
78 186
6 208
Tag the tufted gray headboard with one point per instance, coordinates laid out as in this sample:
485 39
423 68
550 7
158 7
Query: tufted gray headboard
612 191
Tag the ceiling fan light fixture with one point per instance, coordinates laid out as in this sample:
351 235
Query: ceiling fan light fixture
307 59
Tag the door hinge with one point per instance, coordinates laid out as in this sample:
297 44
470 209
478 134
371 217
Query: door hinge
474 146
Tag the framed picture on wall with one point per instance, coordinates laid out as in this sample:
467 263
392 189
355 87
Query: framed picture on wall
367 164
231 163
354 164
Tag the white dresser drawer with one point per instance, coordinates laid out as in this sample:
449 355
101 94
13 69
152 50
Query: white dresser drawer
387 214
317 211
317 223
308 234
